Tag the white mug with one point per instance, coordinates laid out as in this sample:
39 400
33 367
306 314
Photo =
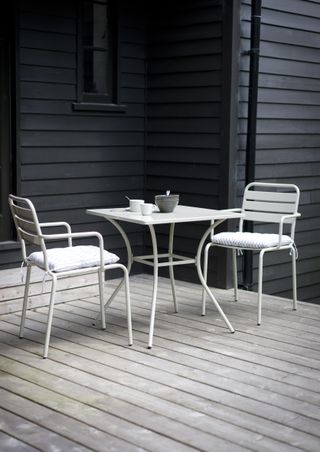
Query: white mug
146 209
135 204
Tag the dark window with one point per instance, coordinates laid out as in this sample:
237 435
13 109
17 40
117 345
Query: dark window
98 59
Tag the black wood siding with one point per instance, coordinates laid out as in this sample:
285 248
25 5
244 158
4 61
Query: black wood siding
184 96
68 160
288 129
177 133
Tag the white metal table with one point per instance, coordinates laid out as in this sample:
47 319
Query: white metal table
182 214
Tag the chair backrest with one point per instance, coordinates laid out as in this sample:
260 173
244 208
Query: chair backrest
26 222
269 202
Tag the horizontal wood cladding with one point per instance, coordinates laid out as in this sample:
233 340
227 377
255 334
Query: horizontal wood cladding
189 32
85 169
186 63
47 58
170 154
184 108
288 129
84 138
77 124
71 161
52 154
45 40
57 107
47 75
186 169
173 67
47 23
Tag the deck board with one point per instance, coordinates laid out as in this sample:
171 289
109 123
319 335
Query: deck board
199 388
28 431
9 442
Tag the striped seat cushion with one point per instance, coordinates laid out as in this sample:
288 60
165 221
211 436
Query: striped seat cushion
72 258
250 240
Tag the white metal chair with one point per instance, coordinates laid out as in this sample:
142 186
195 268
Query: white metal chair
267 203
60 262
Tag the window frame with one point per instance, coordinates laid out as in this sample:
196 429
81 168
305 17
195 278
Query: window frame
100 102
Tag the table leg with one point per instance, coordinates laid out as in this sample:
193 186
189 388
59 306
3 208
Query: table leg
155 283
129 257
130 260
203 281
171 272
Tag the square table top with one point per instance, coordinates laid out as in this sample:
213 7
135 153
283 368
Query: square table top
181 214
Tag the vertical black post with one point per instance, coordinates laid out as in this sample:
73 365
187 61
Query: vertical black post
252 121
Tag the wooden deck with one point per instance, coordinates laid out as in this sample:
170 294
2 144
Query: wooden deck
199 388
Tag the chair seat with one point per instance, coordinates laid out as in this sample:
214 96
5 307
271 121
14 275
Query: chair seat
250 240
72 258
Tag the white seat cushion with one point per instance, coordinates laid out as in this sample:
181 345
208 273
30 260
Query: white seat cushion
72 258
250 240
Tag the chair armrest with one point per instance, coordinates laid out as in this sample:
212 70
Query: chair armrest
282 220
58 223
75 235
235 209
79 235
293 215
55 223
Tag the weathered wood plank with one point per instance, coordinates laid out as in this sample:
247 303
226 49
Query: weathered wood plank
221 411
196 337
267 380
115 416
258 388
38 437
81 410
76 431
10 443
155 405
248 399
269 339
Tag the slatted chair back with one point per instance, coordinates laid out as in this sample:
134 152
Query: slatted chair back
269 202
26 222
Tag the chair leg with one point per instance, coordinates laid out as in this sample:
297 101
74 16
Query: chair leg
50 315
294 279
235 274
128 305
101 296
205 275
260 277
25 301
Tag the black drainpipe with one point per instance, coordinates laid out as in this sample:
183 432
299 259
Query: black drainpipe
252 123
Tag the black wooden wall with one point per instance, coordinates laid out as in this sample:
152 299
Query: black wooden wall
288 128
178 65
184 108
68 161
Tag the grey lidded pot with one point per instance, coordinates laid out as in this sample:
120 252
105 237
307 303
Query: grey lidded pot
166 203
